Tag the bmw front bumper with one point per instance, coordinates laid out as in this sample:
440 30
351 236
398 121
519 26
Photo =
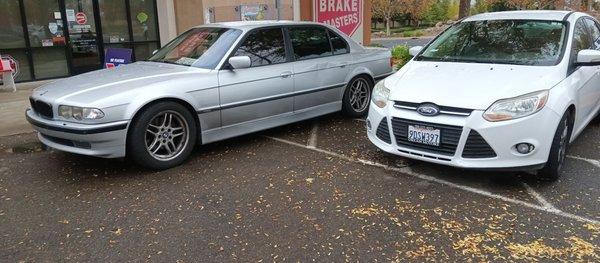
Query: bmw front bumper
502 137
105 140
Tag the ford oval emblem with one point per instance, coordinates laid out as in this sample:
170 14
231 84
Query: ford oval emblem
428 110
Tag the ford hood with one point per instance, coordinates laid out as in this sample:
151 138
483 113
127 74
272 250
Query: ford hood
468 85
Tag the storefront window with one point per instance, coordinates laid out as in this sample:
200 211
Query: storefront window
11 31
143 20
113 15
44 23
58 38
144 51
50 63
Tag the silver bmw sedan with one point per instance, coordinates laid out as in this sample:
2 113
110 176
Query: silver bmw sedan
211 83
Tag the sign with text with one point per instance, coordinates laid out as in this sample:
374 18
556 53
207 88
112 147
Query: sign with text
345 15
117 56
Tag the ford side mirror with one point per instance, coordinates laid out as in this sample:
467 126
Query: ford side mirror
588 57
413 51
240 62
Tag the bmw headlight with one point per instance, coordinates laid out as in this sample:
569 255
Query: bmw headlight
381 94
79 113
519 107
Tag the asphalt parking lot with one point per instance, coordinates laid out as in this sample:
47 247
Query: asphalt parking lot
311 191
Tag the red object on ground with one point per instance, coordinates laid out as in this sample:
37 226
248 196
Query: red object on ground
6 66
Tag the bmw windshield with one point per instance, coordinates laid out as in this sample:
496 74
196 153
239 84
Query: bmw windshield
199 47
520 42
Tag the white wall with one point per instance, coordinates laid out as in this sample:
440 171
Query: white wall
166 20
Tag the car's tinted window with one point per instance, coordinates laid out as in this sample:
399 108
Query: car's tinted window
310 42
264 47
581 39
338 43
595 33
198 47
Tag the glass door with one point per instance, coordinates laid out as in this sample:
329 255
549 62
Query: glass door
83 36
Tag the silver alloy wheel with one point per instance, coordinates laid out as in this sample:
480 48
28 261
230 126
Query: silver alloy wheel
359 95
564 141
166 135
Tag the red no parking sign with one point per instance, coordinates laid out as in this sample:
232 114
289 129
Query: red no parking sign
81 18
345 15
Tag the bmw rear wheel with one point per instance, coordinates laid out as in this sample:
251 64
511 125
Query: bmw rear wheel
357 97
162 136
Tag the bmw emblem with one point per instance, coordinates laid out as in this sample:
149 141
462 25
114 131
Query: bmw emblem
428 109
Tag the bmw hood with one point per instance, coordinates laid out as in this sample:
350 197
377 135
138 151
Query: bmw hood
89 87
468 85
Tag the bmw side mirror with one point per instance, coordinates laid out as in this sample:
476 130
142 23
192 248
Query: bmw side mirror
240 62
413 51
588 57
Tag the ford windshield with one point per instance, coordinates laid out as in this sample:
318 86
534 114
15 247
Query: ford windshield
199 47
520 42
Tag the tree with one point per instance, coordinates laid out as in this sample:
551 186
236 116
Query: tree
464 8
415 9
386 9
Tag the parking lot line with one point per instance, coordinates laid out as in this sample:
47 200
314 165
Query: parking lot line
312 142
410 172
539 198
591 161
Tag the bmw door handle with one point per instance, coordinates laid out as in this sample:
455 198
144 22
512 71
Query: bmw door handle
286 74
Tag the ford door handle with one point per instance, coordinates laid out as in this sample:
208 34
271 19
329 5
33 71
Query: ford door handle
286 74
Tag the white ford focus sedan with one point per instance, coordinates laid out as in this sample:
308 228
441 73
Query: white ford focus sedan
506 91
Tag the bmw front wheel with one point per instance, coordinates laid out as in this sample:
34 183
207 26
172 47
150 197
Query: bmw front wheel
162 136
357 97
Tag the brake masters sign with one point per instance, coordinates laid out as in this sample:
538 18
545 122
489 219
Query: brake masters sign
345 15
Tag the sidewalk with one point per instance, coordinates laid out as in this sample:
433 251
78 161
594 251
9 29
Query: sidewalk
13 106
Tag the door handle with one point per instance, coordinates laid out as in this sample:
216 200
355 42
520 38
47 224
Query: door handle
286 74
343 64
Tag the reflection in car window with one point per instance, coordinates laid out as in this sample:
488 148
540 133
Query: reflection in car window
198 47
581 39
595 33
310 42
521 42
264 47
337 42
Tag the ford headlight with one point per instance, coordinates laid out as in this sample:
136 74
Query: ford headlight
381 94
79 113
519 107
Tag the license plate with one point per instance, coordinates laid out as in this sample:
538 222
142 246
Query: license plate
424 135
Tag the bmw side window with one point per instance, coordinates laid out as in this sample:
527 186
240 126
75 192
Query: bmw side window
595 32
338 44
264 47
310 42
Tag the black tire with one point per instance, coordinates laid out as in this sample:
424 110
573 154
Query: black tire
141 134
350 100
558 150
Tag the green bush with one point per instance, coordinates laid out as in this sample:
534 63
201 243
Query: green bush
413 33
401 55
